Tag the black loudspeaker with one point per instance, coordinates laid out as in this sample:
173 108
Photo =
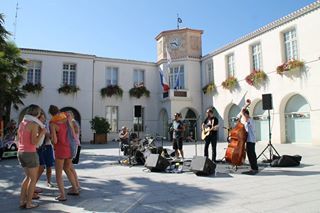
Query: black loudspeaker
156 163
202 166
137 111
267 102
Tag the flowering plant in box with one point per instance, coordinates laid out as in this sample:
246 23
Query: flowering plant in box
210 87
290 66
68 89
256 78
111 90
230 83
139 91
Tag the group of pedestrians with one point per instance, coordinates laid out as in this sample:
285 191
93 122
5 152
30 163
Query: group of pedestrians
42 146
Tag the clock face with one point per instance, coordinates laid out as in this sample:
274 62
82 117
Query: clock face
175 43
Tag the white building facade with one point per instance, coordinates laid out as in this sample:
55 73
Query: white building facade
296 107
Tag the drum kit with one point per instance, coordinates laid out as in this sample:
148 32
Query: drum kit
136 150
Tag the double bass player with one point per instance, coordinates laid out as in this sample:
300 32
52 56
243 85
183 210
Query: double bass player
248 123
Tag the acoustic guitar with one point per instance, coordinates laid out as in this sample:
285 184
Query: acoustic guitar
205 132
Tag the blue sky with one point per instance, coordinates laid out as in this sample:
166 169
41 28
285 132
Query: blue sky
127 28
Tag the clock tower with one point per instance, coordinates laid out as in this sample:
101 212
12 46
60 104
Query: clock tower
183 74
180 43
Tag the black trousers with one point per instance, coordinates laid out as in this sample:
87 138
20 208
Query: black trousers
251 153
211 139
1 152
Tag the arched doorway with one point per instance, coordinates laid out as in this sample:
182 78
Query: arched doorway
75 112
232 115
260 118
297 119
190 120
164 123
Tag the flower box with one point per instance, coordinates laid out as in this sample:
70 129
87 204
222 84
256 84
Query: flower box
139 91
32 88
210 87
111 90
290 66
230 83
256 78
68 89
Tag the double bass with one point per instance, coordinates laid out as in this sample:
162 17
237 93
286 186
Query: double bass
236 152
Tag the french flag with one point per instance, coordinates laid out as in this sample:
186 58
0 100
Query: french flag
164 83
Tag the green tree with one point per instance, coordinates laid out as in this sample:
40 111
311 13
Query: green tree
3 33
12 70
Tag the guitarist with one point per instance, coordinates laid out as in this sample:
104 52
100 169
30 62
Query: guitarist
210 126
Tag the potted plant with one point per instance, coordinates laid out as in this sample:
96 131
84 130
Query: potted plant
68 89
101 128
111 90
230 83
291 66
32 88
256 78
139 91
210 87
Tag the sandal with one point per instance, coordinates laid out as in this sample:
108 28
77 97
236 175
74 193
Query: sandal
33 205
61 199
35 196
38 190
23 206
73 193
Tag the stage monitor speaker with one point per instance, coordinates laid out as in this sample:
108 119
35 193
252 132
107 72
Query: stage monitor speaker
267 102
137 111
202 166
156 163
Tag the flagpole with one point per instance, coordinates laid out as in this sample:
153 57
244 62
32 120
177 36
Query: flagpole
178 21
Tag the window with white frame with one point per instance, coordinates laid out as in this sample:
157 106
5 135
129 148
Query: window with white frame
138 123
209 71
112 76
138 77
34 72
230 65
176 77
290 45
256 56
112 117
69 74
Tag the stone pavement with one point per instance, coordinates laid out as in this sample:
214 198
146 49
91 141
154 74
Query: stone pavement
109 187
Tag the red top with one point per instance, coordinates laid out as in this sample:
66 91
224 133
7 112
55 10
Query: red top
62 148
25 139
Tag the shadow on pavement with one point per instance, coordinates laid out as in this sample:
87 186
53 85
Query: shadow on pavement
143 195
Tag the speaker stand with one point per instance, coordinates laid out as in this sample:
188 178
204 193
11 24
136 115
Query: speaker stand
269 146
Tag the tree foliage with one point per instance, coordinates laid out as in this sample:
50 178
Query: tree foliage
12 70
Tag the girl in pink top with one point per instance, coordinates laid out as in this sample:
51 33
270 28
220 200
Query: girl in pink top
29 136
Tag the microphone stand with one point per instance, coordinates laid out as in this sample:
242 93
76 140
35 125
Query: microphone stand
195 136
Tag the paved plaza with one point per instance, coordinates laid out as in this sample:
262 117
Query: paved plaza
109 187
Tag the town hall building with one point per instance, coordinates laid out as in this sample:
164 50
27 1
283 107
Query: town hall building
281 59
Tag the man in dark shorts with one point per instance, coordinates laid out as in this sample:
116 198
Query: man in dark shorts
178 129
